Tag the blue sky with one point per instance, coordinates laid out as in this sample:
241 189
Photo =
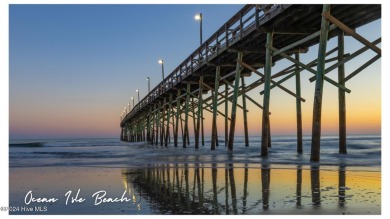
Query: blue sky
79 67
89 59
72 69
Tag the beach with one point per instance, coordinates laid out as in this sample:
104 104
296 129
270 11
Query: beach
215 190
194 109
73 178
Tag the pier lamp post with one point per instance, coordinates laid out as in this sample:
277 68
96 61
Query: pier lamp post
138 94
148 79
161 61
132 98
199 18
128 106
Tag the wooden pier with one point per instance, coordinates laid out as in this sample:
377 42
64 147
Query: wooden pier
254 40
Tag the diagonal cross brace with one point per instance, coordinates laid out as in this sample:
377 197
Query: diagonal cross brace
293 45
209 105
272 81
220 94
283 72
348 58
361 68
351 32
248 88
310 69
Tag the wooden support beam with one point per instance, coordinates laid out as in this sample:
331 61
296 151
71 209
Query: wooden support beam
226 117
203 73
182 128
208 86
227 75
266 100
157 121
168 121
152 119
151 126
291 68
244 111
258 65
200 109
311 70
162 123
246 50
191 82
298 107
313 62
342 105
342 60
254 84
209 105
234 103
148 126
299 42
193 116
317 106
285 71
254 102
178 112
219 64
247 88
269 132
361 68
351 32
215 100
202 127
230 99
252 50
186 116
280 86
287 30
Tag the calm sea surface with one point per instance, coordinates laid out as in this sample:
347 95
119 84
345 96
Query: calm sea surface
364 151
169 180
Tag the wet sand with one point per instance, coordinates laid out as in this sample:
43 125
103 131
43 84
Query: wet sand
196 189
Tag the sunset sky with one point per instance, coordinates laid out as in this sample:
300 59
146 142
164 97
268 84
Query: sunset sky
72 69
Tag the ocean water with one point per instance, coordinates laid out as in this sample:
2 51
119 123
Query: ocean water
169 180
363 151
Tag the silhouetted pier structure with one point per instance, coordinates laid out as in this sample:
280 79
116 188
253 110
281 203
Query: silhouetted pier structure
256 37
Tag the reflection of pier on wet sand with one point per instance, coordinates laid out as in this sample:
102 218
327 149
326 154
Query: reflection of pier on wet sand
228 189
